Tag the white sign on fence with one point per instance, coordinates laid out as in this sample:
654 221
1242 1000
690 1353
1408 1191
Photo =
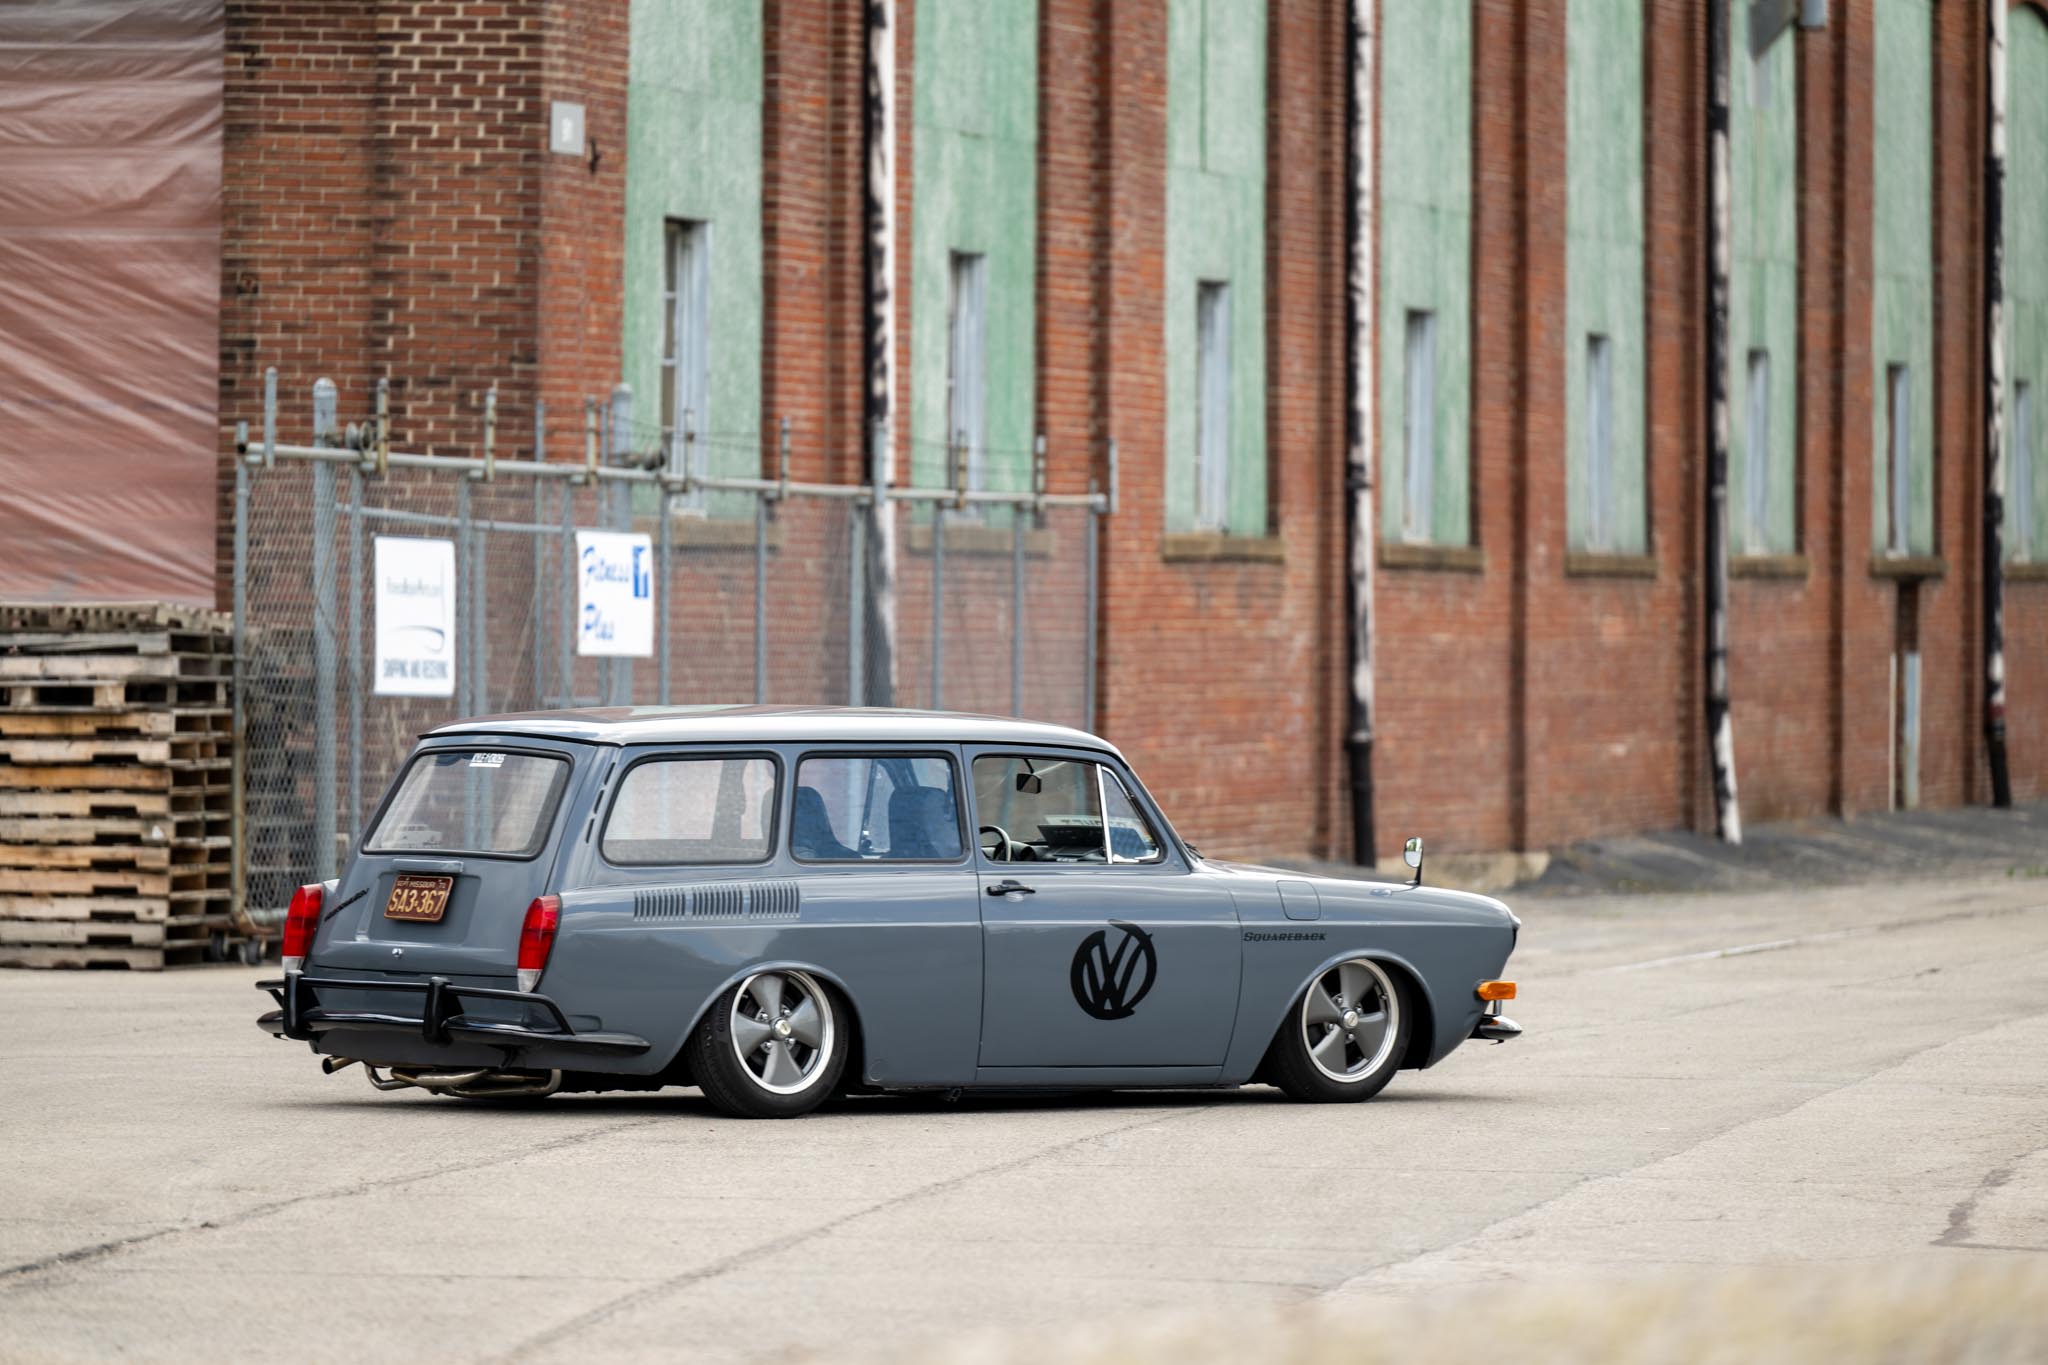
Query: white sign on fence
614 594
415 618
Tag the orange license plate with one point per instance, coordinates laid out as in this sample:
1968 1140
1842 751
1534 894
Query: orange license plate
421 899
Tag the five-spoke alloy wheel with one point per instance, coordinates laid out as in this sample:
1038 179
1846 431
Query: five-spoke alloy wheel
770 1047
1346 1036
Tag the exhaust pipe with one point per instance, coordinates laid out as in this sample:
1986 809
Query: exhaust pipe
481 1083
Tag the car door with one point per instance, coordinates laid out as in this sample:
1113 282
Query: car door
1101 946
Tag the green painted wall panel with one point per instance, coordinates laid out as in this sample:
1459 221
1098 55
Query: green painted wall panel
693 151
2026 265
1763 296
1216 230
1425 250
1902 254
1604 257
976 185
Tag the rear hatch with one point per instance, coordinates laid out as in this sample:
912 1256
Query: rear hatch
464 842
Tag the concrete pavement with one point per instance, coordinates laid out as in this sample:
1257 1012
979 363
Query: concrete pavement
1847 1075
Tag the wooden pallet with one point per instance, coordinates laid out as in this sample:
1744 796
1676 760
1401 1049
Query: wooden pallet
111 933
112 749
114 908
157 722
112 694
83 956
121 617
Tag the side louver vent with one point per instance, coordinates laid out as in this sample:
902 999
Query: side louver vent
720 901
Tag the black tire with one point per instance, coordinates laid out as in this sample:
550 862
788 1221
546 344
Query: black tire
1357 1073
734 1087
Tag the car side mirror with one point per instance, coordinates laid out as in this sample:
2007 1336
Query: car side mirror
1411 854
1029 783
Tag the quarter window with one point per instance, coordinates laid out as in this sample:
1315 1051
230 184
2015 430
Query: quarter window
693 810
884 808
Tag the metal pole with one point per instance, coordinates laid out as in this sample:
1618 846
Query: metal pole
465 666
356 489
939 601
1017 525
879 133
857 606
1093 596
540 568
621 519
1358 451
1720 724
567 643
761 595
238 819
1994 415
323 636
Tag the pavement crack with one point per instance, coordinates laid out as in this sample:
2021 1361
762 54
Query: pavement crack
776 1246
1958 1231
14 1276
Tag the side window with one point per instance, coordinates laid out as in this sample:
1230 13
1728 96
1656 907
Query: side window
883 808
693 810
1130 836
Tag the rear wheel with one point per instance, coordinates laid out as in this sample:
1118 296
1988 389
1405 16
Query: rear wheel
1345 1036
772 1047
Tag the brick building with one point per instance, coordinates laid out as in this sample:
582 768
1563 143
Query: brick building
1128 221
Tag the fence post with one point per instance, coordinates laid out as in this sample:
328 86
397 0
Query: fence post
620 692
857 604
323 636
238 876
939 577
568 589
666 560
356 490
760 597
540 567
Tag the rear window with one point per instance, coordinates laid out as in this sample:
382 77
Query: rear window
472 801
693 810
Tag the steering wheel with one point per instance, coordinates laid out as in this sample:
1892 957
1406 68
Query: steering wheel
1005 850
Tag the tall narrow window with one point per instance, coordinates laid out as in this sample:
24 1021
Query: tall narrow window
1418 501
967 368
1600 512
1212 405
1756 456
686 345
2021 459
1899 456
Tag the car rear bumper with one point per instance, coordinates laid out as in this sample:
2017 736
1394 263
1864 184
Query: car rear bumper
307 1011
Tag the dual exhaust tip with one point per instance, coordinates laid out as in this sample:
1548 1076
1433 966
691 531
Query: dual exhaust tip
481 1083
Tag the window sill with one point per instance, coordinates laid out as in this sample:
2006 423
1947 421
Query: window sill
2027 571
693 531
1402 554
1768 566
973 538
1588 564
1908 566
1198 547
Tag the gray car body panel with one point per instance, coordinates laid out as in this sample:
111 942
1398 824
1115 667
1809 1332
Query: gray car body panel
951 986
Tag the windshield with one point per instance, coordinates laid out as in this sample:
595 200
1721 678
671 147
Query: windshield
472 801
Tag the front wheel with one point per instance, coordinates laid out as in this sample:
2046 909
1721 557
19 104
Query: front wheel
1345 1036
772 1047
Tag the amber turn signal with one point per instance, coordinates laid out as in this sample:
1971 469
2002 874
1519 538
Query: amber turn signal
1496 990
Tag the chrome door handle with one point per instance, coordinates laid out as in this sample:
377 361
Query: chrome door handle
1006 886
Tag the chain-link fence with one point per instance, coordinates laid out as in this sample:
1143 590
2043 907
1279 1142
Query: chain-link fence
763 590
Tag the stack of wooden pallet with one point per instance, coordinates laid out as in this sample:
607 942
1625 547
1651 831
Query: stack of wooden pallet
116 770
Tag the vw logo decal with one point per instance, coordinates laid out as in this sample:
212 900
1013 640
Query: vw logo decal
1108 984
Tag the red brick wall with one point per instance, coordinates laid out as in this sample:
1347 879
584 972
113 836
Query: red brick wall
391 208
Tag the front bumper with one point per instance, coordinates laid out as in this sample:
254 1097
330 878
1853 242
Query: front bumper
304 1014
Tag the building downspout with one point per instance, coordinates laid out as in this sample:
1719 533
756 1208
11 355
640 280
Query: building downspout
1994 412
1358 434
879 130
1720 725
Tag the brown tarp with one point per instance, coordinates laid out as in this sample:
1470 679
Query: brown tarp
110 186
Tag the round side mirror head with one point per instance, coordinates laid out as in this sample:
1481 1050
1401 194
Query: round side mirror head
1411 853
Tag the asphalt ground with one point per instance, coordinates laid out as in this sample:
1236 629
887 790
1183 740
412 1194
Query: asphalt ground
1849 1081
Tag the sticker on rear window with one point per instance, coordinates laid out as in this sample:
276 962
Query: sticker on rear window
487 760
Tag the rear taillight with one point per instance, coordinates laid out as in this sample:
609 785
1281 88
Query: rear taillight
300 922
537 939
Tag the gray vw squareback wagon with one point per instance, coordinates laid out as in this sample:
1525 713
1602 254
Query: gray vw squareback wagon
778 903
